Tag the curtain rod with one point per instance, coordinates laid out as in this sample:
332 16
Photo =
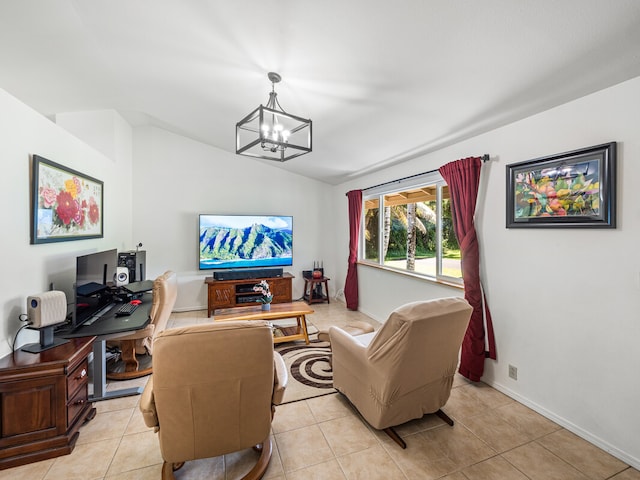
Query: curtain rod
485 158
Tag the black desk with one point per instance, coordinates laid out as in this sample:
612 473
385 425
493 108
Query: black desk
109 327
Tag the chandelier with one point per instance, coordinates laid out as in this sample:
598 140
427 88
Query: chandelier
271 133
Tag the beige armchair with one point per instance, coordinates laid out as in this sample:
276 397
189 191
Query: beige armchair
406 368
213 391
140 342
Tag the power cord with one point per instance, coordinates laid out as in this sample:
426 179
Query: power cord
23 318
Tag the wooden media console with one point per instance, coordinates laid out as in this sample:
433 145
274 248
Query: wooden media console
239 293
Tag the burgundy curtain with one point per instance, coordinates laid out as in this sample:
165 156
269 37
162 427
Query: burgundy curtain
463 178
351 283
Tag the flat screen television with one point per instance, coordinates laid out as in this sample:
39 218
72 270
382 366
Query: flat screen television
245 241
94 277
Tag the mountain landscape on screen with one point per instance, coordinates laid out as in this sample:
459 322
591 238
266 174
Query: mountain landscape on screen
255 242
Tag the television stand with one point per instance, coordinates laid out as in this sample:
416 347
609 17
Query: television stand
239 293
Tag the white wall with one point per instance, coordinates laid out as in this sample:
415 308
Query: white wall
30 269
565 302
104 130
176 178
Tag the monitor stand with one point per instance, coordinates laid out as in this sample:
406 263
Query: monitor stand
47 340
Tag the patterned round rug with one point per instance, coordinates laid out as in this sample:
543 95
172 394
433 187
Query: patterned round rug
309 366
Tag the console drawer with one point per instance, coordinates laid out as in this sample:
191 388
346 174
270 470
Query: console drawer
77 378
76 405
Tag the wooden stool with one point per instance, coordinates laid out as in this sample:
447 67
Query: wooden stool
309 293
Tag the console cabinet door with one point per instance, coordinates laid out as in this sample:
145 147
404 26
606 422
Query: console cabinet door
281 290
30 410
224 296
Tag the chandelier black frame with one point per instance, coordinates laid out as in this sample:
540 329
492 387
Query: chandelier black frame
270 133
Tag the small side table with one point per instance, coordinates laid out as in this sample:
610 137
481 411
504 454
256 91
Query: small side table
313 290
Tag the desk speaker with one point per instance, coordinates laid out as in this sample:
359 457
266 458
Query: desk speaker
47 308
121 277
135 262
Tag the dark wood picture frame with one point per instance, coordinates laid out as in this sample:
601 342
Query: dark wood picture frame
574 189
65 204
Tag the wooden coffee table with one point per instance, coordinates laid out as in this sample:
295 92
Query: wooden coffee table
279 311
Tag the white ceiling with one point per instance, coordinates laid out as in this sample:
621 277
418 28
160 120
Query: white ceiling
383 81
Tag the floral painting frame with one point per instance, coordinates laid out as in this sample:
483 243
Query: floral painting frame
574 189
66 204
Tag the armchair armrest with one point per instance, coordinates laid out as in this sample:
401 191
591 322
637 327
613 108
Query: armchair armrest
349 358
347 350
344 343
148 406
281 378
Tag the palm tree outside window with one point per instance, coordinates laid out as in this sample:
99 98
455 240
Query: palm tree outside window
413 231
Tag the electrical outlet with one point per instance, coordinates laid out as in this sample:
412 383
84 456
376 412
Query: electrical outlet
513 372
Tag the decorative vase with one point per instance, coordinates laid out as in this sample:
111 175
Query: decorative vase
266 307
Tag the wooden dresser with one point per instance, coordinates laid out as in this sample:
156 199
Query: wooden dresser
43 402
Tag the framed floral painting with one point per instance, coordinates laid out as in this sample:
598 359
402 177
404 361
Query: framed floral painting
572 189
66 204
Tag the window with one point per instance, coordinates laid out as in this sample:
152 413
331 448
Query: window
407 226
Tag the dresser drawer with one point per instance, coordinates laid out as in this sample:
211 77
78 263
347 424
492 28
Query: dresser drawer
77 378
77 404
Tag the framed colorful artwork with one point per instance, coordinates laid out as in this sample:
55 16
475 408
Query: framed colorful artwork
572 189
66 204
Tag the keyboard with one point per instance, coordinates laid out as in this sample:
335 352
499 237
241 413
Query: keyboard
126 309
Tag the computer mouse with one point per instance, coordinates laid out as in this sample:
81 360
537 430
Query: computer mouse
135 302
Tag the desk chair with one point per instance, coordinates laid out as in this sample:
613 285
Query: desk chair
140 342
213 391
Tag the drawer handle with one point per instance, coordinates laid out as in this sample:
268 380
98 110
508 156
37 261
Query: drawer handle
83 374
79 402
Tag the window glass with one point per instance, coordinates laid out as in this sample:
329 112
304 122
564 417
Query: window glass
451 266
413 231
371 233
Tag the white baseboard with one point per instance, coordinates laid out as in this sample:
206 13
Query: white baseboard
563 422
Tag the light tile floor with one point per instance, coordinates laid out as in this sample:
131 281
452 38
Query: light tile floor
494 438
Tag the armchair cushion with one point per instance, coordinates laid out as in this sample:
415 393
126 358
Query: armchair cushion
140 342
165 293
280 380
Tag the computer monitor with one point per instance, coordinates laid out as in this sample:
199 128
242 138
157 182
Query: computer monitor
94 278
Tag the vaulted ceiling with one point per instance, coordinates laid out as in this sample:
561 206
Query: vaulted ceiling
382 81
